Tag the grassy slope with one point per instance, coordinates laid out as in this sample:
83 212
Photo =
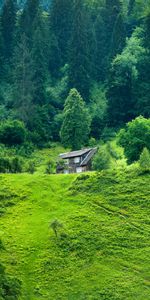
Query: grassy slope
105 251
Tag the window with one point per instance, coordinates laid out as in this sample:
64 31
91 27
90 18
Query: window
79 170
76 160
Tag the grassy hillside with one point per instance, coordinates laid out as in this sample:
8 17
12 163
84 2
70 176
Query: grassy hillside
101 252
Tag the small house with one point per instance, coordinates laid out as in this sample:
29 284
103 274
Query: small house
76 161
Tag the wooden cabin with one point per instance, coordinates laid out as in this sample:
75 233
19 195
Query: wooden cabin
76 161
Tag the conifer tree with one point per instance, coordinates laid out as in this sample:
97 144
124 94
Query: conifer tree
112 22
8 22
75 128
27 18
118 37
130 7
1 55
61 25
79 63
23 80
40 61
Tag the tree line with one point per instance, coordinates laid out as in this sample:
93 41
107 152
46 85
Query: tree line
97 52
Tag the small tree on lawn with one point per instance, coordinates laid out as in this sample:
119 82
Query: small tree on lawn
145 160
76 124
55 226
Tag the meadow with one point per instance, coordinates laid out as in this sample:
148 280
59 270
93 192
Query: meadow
102 248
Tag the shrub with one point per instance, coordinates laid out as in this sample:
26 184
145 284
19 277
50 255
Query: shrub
50 167
12 132
134 138
144 160
16 165
101 160
31 167
5 165
10 287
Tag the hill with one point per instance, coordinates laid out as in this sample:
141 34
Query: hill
102 248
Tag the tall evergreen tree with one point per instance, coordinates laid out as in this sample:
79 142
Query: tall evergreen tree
27 18
23 80
112 16
75 128
61 25
40 60
8 22
118 37
79 52
2 65
130 7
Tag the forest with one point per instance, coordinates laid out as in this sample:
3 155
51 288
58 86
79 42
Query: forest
98 48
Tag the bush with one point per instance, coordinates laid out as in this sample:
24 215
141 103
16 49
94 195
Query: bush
14 165
31 167
10 288
144 160
50 167
134 138
5 165
12 132
101 160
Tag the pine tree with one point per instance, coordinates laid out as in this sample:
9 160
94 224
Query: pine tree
61 25
2 66
40 63
23 80
27 18
79 72
8 23
131 7
112 17
118 37
75 128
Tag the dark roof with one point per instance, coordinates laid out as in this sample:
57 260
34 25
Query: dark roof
75 153
88 157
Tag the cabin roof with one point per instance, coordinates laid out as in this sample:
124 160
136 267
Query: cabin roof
74 153
88 157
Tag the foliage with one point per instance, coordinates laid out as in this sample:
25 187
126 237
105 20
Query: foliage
55 226
101 160
134 138
123 76
10 288
98 109
76 123
31 167
12 132
11 165
144 160
50 167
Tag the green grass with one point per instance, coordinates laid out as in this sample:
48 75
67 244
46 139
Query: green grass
102 251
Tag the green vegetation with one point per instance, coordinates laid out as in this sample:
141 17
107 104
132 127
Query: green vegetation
76 123
75 72
144 160
134 138
99 48
102 249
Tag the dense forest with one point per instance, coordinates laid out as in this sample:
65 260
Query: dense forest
95 53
